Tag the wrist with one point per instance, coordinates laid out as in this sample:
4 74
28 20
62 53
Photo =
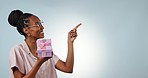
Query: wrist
70 42
39 62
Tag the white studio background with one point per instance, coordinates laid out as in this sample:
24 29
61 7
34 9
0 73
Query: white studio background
111 43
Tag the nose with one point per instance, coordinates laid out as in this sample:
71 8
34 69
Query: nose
42 27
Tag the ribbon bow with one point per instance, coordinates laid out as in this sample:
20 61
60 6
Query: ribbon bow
43 44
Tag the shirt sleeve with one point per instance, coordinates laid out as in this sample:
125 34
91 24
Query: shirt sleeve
16 59
55 59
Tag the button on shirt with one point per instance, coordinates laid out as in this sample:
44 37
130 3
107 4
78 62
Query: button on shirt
21 57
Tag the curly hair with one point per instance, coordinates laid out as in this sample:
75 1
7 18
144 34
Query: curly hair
19 20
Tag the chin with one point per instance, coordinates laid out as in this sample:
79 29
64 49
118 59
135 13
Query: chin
42 37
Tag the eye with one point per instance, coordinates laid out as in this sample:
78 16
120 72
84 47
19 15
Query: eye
39 23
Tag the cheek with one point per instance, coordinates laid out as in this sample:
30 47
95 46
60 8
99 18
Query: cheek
35 32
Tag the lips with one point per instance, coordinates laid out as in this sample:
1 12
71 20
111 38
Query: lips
41 30
41 33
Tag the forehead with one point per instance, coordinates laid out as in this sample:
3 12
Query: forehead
34 19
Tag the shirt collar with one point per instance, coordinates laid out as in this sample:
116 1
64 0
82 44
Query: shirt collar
27 50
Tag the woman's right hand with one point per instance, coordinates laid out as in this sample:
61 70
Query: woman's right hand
43 59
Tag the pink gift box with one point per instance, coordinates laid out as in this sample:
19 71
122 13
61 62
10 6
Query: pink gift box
44 48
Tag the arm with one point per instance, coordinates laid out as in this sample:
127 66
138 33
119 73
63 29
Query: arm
33 71
68 65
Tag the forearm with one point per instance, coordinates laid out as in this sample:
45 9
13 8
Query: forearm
70 56
33 71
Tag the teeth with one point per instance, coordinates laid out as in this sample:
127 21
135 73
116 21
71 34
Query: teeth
42 32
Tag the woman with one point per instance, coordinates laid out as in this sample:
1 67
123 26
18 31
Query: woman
23 59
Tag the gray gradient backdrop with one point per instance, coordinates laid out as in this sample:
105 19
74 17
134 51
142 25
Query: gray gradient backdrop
111 43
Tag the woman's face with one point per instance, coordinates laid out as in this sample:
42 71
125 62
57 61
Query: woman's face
35 28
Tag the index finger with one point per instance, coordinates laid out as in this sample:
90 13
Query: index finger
77 26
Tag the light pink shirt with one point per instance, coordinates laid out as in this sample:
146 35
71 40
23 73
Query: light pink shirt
21 57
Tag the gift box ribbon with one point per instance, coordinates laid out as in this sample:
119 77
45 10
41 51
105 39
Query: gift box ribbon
44 44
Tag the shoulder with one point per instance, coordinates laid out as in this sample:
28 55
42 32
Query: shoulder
16 52
20 45
17 48
55 58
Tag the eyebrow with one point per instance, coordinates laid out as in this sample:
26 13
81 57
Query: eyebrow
37 22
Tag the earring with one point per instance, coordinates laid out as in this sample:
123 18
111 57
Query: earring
28 35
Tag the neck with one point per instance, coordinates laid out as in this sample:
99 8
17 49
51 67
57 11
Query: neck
32 45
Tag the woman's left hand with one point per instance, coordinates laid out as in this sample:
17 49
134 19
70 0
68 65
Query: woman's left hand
73 34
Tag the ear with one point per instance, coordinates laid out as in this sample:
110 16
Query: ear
25 30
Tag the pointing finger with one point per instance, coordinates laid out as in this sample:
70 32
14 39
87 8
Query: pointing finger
77 26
